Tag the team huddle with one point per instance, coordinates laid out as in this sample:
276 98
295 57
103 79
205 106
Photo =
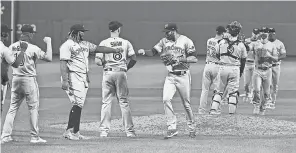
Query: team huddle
229 57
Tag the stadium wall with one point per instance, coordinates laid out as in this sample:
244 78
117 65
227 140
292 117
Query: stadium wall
143 21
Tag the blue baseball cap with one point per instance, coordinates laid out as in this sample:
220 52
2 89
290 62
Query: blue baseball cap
27 28
170 27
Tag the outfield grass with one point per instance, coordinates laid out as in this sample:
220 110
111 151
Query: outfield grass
145 82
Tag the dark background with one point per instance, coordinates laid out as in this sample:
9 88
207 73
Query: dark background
143 21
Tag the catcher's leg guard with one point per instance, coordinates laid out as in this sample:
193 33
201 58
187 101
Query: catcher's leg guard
232 102
217 98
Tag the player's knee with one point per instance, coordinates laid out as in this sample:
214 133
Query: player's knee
233 98
217 98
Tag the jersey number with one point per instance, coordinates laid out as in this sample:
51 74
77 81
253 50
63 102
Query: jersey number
22 62
118 56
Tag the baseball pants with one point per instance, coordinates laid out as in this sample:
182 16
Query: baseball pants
262 78
78 87
115 84
23 88
209 78
228 87
182 83
248 77
276 70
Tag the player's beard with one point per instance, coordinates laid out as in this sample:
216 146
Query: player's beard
271 38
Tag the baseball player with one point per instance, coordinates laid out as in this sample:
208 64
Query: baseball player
74 54
233 55
114 82
276 66
211 68
265 54
250 65
9 59
24 84
177 52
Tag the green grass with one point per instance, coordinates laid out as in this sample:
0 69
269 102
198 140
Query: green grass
145 82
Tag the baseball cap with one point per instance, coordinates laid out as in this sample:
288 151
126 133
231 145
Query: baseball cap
5 28
256 31
264 29
220 29
271 30
78 27
27 28
170 27
114 25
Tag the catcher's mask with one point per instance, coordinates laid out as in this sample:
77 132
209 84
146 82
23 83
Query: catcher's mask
234 28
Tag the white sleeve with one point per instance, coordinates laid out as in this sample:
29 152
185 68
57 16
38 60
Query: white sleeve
159 46
130 49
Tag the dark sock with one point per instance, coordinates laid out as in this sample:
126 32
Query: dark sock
76 119
70 122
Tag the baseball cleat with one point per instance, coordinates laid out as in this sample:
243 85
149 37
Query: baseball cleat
104 134
192 134
270 105
202 112
37 140
171 133
131 134
80 137
262 112
6 139
68 135
256 109
215 112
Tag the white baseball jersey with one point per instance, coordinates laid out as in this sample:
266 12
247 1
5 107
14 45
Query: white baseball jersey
236 51
212 50
252 43
260 53
179 48
77 54
116 60
28 66
6 54
280 48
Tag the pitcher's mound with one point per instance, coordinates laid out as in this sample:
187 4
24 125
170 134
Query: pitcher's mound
231 125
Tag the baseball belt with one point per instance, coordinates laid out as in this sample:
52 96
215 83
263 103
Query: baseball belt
250 61
263 68
113 69
213 63
178 72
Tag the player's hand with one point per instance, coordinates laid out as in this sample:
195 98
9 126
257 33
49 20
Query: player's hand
23 46
65 85
47 39
141 51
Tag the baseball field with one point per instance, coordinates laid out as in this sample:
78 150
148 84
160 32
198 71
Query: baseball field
241 133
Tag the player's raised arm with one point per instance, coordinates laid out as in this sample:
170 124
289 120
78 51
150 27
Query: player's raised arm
46 56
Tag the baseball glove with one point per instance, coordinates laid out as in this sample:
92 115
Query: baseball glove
168 59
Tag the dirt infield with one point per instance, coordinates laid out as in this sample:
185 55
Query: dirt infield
146 101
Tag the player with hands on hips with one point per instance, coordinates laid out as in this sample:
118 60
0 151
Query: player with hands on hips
74 53
24 83
8 59
177 52
114 83
211 68
265 54
233 55
250 66
276 66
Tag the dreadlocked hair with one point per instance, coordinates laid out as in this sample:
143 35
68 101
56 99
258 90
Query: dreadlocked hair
74 35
